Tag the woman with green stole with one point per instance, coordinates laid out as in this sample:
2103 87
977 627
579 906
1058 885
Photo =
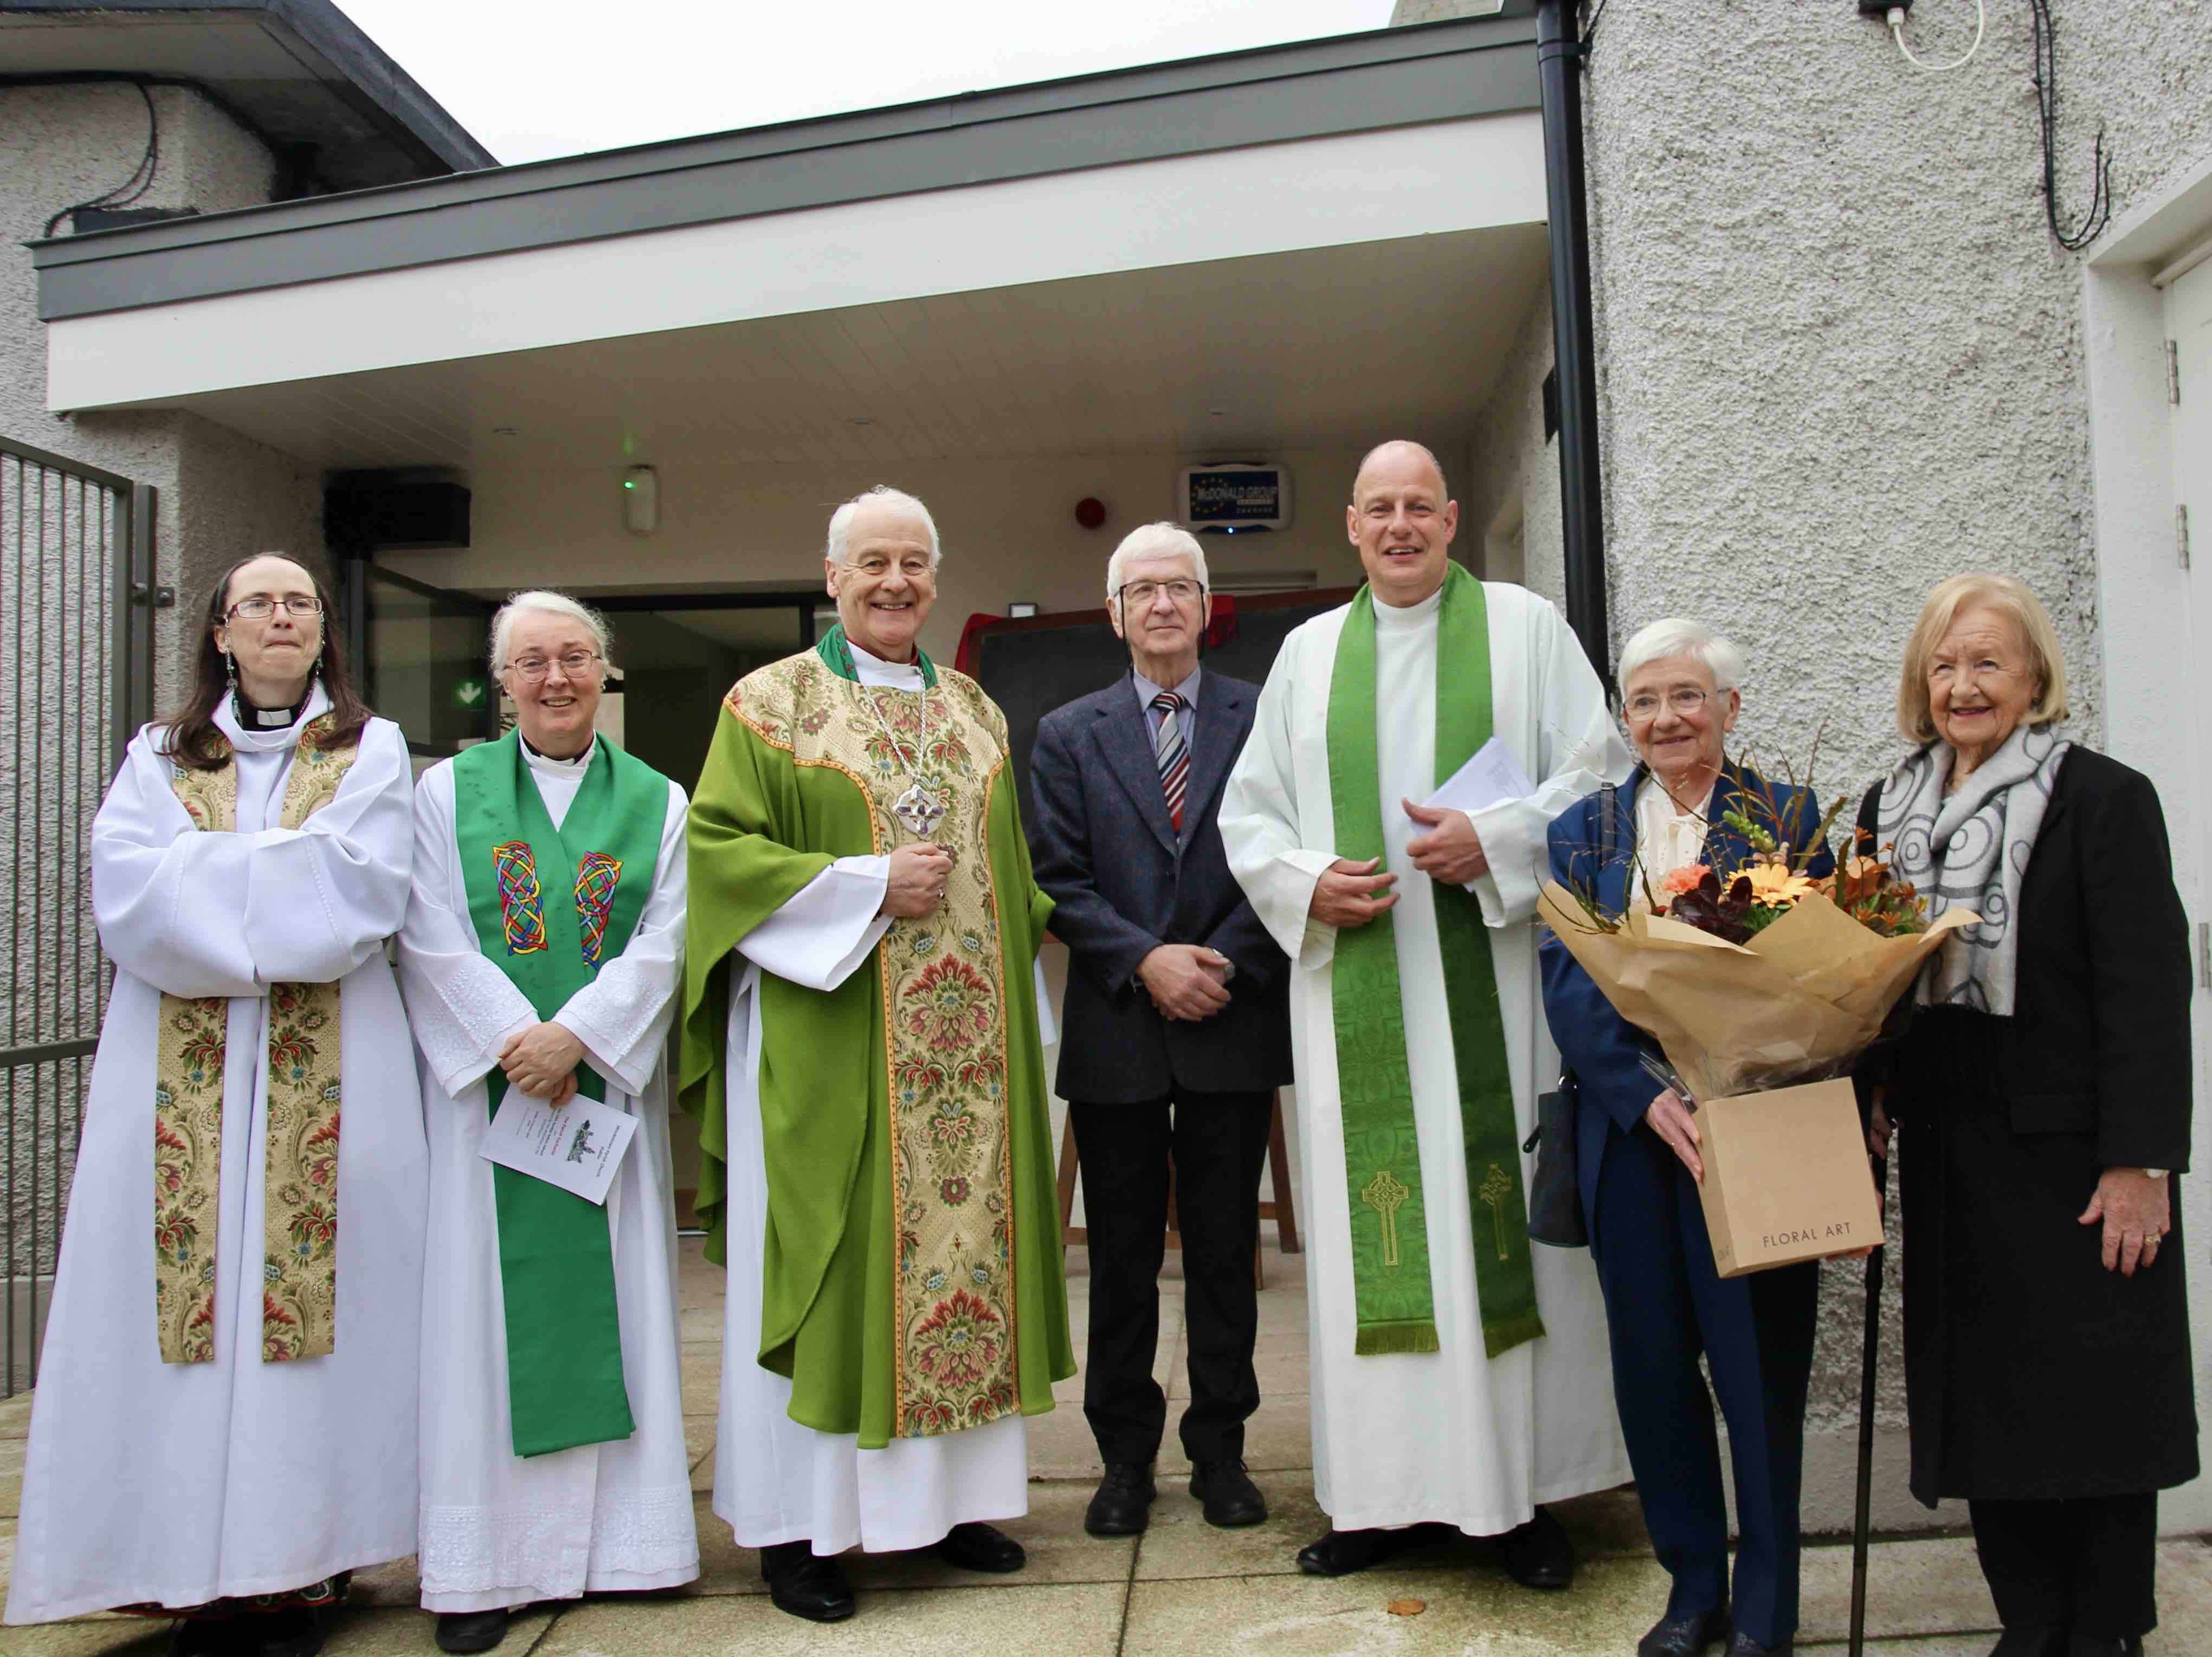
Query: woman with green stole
862 1041
224 1426
541 955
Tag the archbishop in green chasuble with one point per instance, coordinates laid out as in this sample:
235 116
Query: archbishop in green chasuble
889 1164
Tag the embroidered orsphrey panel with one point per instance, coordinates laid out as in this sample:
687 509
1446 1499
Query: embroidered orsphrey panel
299 1196
944 1026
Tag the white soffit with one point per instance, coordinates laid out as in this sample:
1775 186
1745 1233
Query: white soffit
1370 187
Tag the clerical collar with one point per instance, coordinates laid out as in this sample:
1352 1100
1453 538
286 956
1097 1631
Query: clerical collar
254 717
1410 615
882 663
572 762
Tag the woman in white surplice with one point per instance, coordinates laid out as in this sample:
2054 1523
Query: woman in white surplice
222 1431
500 1530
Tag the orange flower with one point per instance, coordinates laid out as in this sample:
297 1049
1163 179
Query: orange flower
1777 885
1683 880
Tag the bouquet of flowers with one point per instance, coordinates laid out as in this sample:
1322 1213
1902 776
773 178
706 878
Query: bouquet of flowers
1763 975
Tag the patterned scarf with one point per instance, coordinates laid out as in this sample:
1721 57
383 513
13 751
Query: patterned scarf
300 1189
1970 849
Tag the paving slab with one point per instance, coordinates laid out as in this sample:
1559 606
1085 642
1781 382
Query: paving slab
1914 1589
1474 1610
15 1416
700 1370
1278 1439
1072 1620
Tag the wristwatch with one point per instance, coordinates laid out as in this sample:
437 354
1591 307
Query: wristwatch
2156 1172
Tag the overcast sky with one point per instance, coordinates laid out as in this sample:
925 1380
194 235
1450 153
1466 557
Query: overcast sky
534 78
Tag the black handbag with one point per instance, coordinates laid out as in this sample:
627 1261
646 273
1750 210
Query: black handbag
1555 1199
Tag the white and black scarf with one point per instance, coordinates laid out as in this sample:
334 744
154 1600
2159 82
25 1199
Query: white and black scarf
1969 849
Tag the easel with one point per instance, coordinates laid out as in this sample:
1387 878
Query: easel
1281 1211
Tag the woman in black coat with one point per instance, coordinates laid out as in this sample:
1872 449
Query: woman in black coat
2042 1095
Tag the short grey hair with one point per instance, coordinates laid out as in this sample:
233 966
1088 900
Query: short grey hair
1671 635
551 604
1162 540
841 521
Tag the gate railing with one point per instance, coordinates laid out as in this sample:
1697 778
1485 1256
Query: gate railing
77 618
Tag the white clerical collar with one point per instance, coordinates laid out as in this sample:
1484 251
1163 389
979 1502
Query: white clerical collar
874 669
1409 615
553 765
261 738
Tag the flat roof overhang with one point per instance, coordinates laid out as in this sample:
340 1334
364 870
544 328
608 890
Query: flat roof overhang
1368 83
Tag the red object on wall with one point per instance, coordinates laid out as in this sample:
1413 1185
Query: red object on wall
1090 512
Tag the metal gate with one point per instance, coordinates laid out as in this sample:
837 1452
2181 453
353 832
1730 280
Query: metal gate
76 619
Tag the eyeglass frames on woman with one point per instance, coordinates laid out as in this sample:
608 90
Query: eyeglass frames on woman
260 609
1685 700
532 669
1142 593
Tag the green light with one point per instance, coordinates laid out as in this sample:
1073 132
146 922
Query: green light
630 483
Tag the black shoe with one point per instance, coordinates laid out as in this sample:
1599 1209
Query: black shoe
1537 1554
804 1586
2042 1641
1685 1637
205 1636
1123 1504
1231 1498
296 1633
1340 1553
982 1547
1742 1645
471 1631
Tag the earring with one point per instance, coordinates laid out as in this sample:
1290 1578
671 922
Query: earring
229 670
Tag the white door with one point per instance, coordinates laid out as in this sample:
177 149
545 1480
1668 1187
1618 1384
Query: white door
2188 324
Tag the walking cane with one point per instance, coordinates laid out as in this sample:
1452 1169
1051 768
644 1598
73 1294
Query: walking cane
1870 1352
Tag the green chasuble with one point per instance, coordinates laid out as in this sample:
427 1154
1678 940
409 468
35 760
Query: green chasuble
550 905
1382 1152
911 1268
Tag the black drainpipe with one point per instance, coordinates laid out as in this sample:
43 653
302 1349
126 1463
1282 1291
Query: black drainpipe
1558 67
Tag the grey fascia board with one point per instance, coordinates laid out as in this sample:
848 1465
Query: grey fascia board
354 68
1366 82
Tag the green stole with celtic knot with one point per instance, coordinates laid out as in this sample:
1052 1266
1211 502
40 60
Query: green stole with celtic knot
300 1152
548 916
1382 1147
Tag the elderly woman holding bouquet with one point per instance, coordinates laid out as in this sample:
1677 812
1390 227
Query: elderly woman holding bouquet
1638 1165
2042 1095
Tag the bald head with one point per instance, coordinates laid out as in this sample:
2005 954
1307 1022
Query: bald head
1394 455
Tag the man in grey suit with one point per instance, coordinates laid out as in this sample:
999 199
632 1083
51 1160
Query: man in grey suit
1175 1033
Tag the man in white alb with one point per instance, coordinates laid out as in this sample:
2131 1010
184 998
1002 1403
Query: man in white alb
1459 1376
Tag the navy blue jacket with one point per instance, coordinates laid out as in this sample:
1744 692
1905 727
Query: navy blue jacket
1602 1049
1126 882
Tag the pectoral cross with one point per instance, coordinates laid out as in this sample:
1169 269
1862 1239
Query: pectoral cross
1384 1195
1495 1189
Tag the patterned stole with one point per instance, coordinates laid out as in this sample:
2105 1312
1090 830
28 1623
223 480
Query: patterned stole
300 1191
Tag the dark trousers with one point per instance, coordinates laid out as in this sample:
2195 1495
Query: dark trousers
2087 1564
1665 1303
1218 1143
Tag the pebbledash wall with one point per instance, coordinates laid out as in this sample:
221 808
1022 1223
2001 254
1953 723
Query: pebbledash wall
1842 357
220 494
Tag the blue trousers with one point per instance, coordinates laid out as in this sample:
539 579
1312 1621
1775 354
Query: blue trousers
1664 1304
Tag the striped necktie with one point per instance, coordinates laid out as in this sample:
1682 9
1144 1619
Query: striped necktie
1173 756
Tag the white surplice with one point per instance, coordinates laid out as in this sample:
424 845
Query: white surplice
1452 1436
499 1529
177 1483
775 1479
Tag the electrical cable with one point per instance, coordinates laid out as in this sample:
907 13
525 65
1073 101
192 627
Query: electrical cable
1589 29
2046 97
142 176
1981 27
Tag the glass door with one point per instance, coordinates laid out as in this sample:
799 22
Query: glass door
421 655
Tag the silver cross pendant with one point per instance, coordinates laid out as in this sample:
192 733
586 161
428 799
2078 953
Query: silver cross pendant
920 810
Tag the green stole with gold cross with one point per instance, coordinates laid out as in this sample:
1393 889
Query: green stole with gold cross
1381 1146
564 1369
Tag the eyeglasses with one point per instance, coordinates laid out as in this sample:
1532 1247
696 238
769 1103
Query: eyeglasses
260 609
574 664
1684 699
1183 589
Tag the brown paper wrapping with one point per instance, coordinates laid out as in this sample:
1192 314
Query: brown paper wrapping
1798 1002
